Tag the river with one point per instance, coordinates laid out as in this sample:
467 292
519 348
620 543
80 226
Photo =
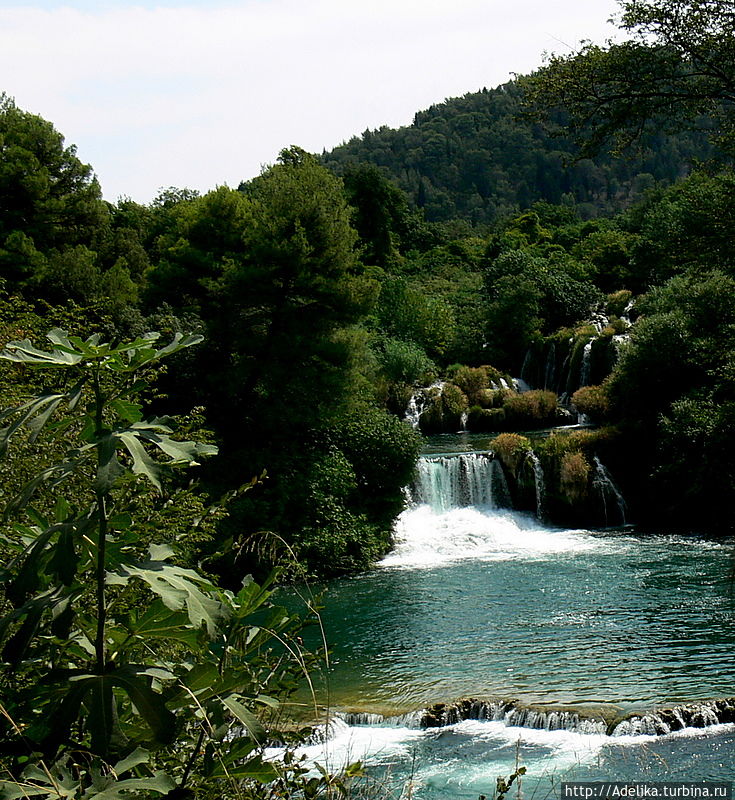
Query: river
560 632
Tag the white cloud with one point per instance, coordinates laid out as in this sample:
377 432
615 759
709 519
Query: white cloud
199 96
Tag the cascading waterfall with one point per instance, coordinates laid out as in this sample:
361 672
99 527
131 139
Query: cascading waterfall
538 479
586 368
419 402
605 486
467 479
512 713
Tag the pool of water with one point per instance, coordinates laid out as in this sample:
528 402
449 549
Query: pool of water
476 602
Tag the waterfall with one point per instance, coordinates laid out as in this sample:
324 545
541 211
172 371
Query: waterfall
667 720
463 421
603 483
586 369
419 402
538 479
513 713
466 479
526 365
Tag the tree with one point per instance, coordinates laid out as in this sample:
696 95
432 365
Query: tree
677 67
49 199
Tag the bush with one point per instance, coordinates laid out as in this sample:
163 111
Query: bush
531 409
406 362
511 449
445 411
473 381
574 476
617 302
592 401
382 451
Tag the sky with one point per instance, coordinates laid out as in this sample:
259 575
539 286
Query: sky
196 94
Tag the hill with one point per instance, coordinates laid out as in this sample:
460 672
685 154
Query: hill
475 157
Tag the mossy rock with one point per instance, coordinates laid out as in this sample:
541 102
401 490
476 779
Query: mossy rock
617 302
445 409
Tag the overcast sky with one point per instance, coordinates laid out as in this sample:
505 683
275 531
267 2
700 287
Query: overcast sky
161 93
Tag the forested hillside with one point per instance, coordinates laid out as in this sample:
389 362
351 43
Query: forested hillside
478 157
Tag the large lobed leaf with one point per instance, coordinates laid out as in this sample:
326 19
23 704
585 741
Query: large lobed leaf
178 588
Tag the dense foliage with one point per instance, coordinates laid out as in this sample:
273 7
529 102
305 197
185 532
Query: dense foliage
478 158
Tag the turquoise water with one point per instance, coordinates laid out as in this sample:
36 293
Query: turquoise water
485 602
493 604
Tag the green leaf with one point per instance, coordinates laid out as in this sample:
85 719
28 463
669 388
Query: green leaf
63 616
104 726
10 790
256 769
177 588
61 510
127 410
237 750
26 412
160 783
150 704
109 469
64 560
143 464
246 718
179 342
180 452
24 352
135 759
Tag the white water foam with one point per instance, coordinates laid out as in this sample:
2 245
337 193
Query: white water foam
541 751
346 744
427 538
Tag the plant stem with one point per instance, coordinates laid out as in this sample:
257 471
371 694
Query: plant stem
192 759
99 645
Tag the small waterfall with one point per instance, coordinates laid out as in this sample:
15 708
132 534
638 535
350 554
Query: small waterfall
586 369
667 720
526 366
463 421
410 720
513 713
466 479
603 483
538 479
419 402
499 483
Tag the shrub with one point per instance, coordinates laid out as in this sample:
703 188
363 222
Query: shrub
116 656
511 449
473 381
406 362
617 302
445 410
592 401
574 476
531 409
